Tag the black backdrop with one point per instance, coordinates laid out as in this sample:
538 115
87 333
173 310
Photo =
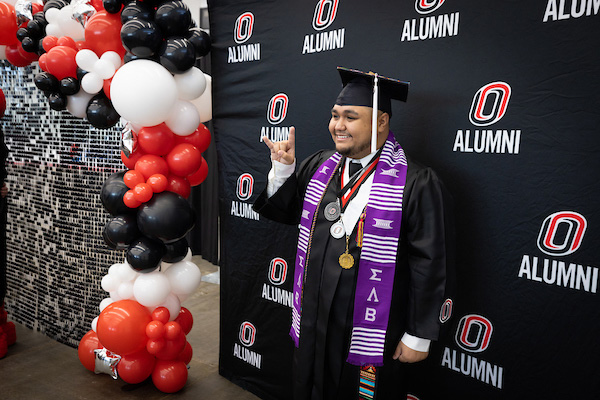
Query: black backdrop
503 104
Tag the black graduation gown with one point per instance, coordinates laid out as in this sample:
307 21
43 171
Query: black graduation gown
320 370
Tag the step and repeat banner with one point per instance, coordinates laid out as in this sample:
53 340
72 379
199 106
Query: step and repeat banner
503 104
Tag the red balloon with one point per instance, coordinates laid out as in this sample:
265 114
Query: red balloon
106 87
186 354
88 343
8 24
103 33
157 140
172 330
122 327
161 314
200 175
2 111
155 330
184 159
155 345
42 62
150 164
49 42
185 320
136 367
27 55
179 185
130 201
132 159
172 348
14 57
60 61
36 8
66 41
132 178
142 192
97 4
200 138
169 376
158 182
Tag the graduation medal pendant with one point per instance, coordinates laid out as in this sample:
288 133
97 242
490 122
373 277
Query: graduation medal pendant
346 261
332 211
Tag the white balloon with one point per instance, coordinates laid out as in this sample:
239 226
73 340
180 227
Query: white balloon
109 283
105 303
112 270
92 83
113 57
191 84
77 104
173 304
184 118
151 289
143 92
184 277
115 296
95 324
204 103
86 59
126 272
52 15
68 25
104 68
125 290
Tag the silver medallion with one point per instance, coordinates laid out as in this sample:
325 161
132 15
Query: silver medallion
337 230
332 211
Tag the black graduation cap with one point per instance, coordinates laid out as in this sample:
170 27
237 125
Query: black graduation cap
359 89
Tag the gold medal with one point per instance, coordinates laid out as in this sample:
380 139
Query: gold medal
346 261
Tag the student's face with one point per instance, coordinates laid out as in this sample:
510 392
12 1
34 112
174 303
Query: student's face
350 128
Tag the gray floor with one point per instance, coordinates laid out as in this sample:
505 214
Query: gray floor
37 367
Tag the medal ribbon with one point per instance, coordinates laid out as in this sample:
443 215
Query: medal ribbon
350 189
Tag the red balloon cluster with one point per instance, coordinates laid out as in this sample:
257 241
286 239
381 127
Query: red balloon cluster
164 161
148 344
59 59
15 54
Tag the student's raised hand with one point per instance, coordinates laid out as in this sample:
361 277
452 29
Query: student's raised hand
285 150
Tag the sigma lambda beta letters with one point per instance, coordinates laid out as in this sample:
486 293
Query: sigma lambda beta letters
371 313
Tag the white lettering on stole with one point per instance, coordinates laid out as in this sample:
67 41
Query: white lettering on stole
370 314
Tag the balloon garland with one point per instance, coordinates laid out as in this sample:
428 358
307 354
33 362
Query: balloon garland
131 61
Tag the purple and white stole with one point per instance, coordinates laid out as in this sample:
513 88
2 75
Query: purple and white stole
378 254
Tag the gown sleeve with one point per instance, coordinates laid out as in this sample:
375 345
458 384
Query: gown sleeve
430 248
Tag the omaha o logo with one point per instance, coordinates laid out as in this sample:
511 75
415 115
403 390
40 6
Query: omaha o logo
247 334
561 233
325 13
243 27
473 333
245 186
427 6
277 110
278 271
446 311
490 103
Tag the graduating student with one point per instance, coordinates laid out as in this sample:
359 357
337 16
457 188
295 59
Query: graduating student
371 267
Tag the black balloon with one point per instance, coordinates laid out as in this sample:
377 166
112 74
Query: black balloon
144 254
121 231
177 55
81 73
173 18
39 17
112 6
200 40
22 34
167 217
141 38
55 4
57 101
46 82
69 86
35 29
176 251
29 44
101 113
136 10
111 195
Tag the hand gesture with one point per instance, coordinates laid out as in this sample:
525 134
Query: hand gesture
405 354
285 150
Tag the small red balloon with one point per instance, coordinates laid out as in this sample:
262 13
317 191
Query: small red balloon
49 42
185 320
136 367
184 159
200 175
150 164
60 61
132 159
132 178
172 348
179 185
172 330
155 345
200 138
169 376
88 343
142 192
66 41
106 87
155 330
130 201
158 182
157 140
186 354
161 314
